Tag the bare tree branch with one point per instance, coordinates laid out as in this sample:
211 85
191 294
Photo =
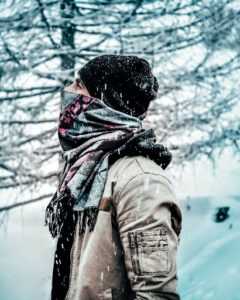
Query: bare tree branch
25 202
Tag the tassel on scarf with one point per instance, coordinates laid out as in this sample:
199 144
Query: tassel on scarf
59 213
90 214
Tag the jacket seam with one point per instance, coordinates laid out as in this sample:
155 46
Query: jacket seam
139 164
147 172
117 199
165 177
143 173
133 176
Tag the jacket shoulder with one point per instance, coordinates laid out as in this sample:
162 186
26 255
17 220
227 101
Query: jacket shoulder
128 167
149 166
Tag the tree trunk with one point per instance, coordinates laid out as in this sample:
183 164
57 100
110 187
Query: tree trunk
67 41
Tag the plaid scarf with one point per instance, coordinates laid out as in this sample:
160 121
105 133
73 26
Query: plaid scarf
93 135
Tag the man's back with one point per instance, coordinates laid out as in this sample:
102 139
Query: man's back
132 250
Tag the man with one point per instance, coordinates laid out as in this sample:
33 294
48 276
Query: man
115 212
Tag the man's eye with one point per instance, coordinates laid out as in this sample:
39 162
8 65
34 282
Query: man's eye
78 82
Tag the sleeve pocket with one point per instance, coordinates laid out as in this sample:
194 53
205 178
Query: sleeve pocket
149 252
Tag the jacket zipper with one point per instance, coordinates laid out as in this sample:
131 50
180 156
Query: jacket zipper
132 239
134 252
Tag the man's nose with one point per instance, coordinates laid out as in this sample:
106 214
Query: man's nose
70 88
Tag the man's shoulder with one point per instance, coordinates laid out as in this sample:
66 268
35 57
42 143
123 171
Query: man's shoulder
125 169
148 166
128 167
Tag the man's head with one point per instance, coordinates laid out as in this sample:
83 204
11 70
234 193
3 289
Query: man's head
124 83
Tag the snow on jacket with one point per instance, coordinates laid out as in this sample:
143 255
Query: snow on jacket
131 253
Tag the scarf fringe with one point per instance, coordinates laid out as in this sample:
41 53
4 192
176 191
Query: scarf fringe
90 214
59 213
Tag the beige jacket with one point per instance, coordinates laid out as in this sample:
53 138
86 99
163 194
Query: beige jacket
131 254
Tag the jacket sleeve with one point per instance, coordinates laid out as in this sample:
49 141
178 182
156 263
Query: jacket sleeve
149 221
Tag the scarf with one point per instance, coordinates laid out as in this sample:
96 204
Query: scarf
92 136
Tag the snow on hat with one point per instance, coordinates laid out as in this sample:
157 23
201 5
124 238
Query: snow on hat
124 83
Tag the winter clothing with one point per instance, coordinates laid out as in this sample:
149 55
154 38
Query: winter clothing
125 83
113 181
92 135
131 254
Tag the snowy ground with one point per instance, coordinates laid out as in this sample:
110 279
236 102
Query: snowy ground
208 256
26 255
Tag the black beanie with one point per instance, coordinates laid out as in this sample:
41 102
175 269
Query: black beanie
124 83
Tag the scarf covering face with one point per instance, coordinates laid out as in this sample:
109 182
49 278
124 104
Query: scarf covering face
93 135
